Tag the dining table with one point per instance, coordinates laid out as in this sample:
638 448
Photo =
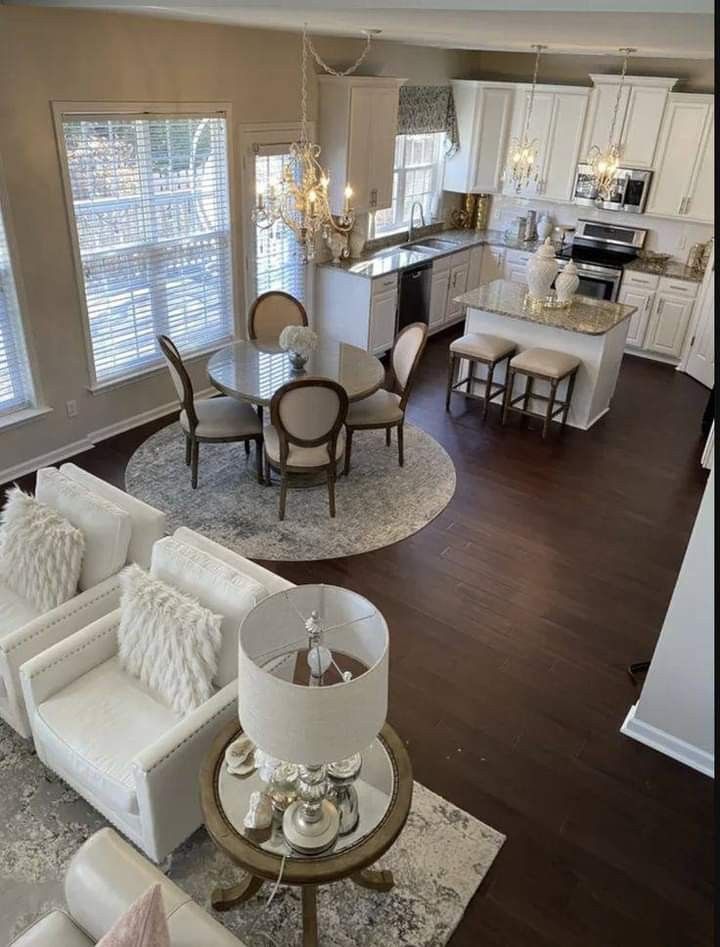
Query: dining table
252 371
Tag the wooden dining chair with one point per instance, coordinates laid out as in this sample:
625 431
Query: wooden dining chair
306 433
210 420
385 409
271 312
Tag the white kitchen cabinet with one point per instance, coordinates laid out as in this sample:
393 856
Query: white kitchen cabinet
484 113
557 123
668 325
493 264
357 130
459 266
383 313
439 287
640 115
475 268
351 308
643 300
683 182
515 268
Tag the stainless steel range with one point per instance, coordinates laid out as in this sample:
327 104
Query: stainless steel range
600 251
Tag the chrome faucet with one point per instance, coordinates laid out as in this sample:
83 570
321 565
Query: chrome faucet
411 226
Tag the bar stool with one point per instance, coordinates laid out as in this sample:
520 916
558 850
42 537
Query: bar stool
541 365
488 350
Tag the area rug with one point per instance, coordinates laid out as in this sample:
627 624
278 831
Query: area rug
378 504
439 861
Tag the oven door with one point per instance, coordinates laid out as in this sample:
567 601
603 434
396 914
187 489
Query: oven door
599 282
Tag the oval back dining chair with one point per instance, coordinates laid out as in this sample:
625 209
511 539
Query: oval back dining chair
271 312
385 409
212 420
306 433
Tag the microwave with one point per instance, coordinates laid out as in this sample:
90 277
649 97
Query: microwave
629 191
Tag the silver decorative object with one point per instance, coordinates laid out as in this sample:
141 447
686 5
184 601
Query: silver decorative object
260 813
342 776
298 361
283 786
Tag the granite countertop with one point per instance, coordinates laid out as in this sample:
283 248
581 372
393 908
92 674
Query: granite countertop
670 268
586 315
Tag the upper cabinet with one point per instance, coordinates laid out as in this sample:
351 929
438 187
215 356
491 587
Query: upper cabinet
556 122
484 113
683 184
357 129
640 114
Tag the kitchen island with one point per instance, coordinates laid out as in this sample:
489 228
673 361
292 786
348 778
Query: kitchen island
593 330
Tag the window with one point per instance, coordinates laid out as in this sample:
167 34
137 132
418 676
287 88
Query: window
16 389
417 177
151 208
278 256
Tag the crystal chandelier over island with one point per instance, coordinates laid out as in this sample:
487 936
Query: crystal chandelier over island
605 163
300 200
523 157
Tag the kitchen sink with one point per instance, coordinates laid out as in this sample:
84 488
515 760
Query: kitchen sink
434 244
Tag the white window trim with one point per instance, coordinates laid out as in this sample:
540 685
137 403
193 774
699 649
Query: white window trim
60 110
437 169
270 133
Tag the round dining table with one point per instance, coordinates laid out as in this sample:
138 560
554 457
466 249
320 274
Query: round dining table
253 371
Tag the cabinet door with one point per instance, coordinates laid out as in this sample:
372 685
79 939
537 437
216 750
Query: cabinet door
563 146
600 114
700 203
680 141
458 285
515 273
490 139
475 268
438 298
638 320
382 321
645 108
382 147
493 264
538 130
668 325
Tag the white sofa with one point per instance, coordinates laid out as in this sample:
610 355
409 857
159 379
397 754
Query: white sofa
103 879
132 757
24 632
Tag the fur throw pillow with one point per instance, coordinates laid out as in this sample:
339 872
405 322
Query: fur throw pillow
143 924
41 553
167 640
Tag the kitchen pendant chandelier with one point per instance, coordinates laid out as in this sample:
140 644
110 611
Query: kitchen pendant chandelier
300 200
523 168
605 163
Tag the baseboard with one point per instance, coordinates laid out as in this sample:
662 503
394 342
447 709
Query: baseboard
92 439
666 743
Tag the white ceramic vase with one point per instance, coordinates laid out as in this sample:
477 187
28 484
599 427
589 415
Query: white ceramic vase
541 271
544 227
567 283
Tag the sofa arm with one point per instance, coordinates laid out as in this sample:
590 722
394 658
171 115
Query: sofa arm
167 774
107 875
54 669
46 630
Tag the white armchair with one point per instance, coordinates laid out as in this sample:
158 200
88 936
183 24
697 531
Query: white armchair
130 755
104 878
25 633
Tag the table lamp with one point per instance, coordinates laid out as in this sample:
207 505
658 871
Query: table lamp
312 690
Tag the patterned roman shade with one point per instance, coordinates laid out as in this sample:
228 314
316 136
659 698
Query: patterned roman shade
427 108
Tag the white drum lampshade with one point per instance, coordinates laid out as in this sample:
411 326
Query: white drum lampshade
284 711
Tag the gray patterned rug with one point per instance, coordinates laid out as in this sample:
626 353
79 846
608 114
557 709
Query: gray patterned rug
439 861
378 504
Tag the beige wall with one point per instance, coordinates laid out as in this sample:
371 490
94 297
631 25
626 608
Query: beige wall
51 54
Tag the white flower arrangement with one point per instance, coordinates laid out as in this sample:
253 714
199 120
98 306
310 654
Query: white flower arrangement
299 339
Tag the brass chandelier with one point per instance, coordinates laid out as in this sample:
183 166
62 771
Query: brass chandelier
523 165
300 200
605 163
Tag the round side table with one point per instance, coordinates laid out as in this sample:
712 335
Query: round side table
384 791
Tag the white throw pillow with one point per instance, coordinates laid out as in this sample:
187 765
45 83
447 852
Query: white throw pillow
106 527
167 640
41 553
217 586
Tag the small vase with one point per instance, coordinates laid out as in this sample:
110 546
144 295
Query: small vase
297 360
542 269
567 283
544 227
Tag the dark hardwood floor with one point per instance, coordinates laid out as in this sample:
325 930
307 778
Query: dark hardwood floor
513 616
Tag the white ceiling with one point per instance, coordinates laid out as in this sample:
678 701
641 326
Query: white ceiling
658 28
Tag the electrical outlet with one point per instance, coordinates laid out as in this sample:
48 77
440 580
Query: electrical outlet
71 408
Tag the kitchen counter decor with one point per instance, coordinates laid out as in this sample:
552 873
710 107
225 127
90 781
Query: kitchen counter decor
542 268
299 342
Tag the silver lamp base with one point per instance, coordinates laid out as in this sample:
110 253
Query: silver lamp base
311 838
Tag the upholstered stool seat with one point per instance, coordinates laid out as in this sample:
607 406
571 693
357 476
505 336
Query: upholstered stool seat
545 362
545 365
478 347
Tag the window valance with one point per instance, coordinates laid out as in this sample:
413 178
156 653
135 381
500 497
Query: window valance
426 108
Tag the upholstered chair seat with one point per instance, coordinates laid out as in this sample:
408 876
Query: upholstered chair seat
301 456
382 407
221 418
489 348
545 362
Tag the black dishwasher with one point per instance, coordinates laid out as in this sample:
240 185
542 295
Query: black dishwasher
414 297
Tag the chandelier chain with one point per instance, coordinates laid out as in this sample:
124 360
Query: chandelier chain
329 69
627 52
538 53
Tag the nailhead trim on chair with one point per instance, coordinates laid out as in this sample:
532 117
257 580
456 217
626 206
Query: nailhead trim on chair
190 735
77 650
51 624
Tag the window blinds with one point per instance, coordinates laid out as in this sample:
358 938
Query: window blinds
151 208
278 256
16 390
